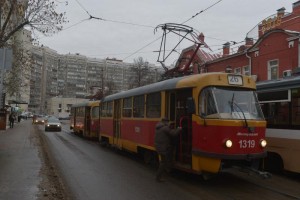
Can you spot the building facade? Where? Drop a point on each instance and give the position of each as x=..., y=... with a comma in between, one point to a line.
x=60, y=107
x=75, y=76
x=273, y=55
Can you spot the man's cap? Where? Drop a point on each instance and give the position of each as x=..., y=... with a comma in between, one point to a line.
x=165, y=119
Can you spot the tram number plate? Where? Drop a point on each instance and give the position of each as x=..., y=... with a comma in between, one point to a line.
x=247, y=144
x=235, y=80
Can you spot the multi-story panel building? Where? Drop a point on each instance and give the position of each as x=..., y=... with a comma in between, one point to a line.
x=35, y=97
x=75, y=76
x=95, y=69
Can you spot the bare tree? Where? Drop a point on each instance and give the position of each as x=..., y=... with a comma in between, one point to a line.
x=18, y=77
x=140, y=73
x=15, y=15
x=38, y=15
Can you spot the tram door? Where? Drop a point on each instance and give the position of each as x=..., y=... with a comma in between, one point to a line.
x=117, y=123
x=179, y=116
x=87, y=121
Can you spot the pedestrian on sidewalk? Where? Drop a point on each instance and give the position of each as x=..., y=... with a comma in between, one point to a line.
x=11, y=120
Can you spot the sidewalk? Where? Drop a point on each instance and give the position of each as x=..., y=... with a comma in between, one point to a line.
x=19, y=162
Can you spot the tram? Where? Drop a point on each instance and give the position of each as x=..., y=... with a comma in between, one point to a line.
x=85, y=119
x=280, y=102
x=221, y=119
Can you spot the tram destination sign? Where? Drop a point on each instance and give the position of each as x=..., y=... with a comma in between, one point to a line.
x=235, y=79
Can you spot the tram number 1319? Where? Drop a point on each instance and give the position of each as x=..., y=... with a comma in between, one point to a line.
x=247, y=144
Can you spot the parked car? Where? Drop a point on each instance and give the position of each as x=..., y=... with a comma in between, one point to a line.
x=52, y=124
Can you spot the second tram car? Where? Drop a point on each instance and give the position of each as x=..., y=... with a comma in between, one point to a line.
x=85, y=119
x=221, y=119
x=280, y=102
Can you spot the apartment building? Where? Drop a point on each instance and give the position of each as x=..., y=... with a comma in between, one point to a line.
x=75, y=76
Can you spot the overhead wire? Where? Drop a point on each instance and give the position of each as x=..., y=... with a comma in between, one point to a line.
x=181, y=23
x=83, y=7
x=141, y=25
x=110, y=20
x=75, y=24
x=201, y=11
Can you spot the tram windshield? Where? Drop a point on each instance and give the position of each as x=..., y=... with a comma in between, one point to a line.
x=229, y=103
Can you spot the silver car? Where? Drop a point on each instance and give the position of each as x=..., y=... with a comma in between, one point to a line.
x=52, y=124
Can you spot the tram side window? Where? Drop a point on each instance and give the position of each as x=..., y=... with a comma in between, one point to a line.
x=109, y=109
x=95, y=112
x=80, y=112
x=296, y=106
x=276, y=113
x=153, y=105
x=138, y=106
x=127, y=107
x=207, y=104
x=72, y=111
x=103, y=109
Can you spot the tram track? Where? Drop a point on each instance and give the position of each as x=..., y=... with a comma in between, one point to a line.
x=281, y=182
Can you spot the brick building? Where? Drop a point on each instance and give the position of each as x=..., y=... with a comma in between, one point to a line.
x=273, y=55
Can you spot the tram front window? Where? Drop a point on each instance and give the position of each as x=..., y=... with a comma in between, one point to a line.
x=229, y=103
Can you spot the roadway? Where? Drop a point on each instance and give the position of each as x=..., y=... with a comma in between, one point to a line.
x=60, y=165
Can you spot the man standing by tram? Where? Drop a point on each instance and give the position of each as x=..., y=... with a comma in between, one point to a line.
x=164, y=136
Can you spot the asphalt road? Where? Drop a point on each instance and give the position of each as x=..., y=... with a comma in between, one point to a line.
x=95, y=172
x=59, y=165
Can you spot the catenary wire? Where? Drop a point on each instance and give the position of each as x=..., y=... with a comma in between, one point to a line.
x=141, y=25
x=201, y=11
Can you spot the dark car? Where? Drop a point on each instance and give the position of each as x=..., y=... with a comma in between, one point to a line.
x=52, y=124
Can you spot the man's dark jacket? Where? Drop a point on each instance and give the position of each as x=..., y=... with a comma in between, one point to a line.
x=163, y=137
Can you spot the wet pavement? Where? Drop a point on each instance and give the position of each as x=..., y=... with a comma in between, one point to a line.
x=19, y=162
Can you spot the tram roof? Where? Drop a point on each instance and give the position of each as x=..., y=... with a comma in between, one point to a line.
x=155, y=87
x=279, y=84
x=169, y=84
x=80, y=104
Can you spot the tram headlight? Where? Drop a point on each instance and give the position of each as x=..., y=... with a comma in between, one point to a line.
x=228, y=143
x=263, y=143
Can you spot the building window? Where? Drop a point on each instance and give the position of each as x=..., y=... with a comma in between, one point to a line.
x=291, y=44
x=237, y=70
x=246, y=71
x=273, y=70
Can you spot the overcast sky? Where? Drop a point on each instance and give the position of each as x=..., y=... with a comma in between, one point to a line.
x=227, y=20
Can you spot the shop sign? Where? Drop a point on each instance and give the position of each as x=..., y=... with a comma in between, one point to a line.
x=270, y=23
